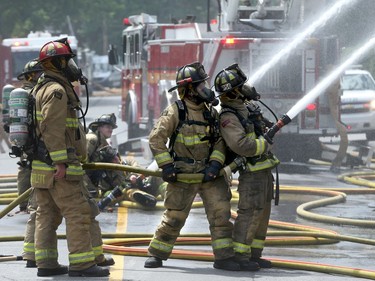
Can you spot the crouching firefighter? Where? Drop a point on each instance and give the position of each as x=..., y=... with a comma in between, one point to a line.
x=242, y=127
x=195, y=146
x=57, y=174
x=113, y=185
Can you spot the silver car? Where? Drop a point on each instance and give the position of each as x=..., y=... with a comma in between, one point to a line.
x=358, y=102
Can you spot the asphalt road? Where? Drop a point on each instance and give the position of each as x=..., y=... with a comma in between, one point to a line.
x=350, y=255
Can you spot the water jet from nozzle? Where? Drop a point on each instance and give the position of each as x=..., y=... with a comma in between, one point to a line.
x=330, y=13
x=318, y=89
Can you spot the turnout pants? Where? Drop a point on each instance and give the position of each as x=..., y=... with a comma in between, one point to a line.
x=23, y=183
x=253, y=214
x=64, y=200
x=216, y=197
x=95, y=230
x=28, y=242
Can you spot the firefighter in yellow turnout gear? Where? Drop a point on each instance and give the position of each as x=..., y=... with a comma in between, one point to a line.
x=195, y=146
x=57, y=173
x=122, y=185
x=29, y=78
x=242, y=126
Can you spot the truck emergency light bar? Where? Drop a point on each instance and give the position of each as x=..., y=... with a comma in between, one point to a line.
x=139, y=19
x=19, y=44
x=311, y=106
x=229, y=41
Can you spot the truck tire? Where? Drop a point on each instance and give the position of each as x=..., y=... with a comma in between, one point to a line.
x=297, y=148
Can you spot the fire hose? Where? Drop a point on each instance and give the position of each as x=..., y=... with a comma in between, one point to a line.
x=157, y=173
x=226, y=171
x=291, y=234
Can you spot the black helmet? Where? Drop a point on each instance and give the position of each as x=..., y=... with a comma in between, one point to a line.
x=192, y=73
x=104, y=119
x=30, y=67
x=229, y=79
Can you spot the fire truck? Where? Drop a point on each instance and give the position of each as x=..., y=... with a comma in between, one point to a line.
x=243, y=32
x=16, y=52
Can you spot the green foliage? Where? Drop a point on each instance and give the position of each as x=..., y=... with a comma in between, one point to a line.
x=99, y=23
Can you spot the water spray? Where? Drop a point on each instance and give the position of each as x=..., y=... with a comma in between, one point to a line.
x=317, y=90
x=299, y=39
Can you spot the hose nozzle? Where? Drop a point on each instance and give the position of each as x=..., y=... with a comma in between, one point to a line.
x=284, y=120
x=115, y=193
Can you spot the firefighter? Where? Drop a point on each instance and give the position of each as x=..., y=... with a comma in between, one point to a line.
x=29, y=78
x=242, y=126
x=125, y=186
x=57, y=173
x=195, y=146
x=334, y=94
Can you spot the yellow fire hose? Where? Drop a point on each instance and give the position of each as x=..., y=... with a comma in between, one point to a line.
x=10, y=258
x=358, y=178
x=157, y=173
x=291, y=235
x=15, y=203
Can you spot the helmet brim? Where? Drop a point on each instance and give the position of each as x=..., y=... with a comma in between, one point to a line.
x=94, y=125
x=56, y=56
x=22, y=75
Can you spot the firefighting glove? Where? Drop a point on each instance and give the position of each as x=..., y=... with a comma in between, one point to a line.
x=169, y=173
x=212, y=171
x=6, y=128
x=107, y=154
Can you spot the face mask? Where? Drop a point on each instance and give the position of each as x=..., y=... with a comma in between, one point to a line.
x=249, y=92
x=206, y=94
x=73, y=73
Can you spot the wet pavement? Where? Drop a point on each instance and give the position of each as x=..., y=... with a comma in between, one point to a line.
x=138, y=222
x=347, y=256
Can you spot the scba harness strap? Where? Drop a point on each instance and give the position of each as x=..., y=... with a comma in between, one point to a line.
x=231, y=156
x=211, y=122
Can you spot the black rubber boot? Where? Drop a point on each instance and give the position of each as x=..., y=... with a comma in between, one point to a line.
x=153, y=262
x=247, y=265
x=60, y=270
x=144, y=199
x=93, y=271
x=31, y=263
x=262, y=262
x=227, y=264
x=107, y=262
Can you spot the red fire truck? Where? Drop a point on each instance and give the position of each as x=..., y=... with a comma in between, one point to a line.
x=242, y=33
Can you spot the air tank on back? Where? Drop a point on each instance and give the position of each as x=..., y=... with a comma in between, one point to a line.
x=7, y=89
x=18, y=114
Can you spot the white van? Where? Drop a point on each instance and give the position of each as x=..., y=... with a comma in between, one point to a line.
x=358, y=102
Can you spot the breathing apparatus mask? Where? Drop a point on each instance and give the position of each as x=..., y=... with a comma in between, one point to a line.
x=249, y=92
x=73, y=72
x=206, y=94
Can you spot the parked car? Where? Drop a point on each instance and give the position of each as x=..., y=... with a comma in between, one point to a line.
x=358, y=102
x=104, y=75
